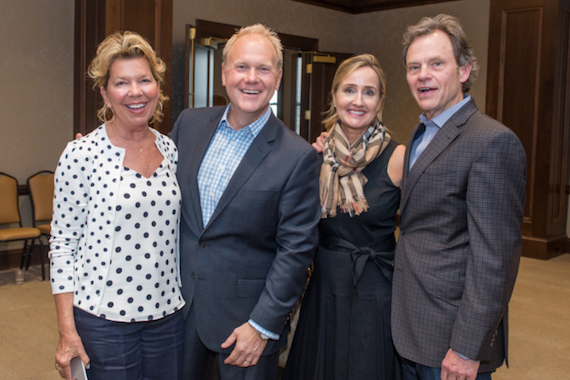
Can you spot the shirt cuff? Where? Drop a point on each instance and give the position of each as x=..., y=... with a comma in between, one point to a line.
x=260, y=329
x=465, y=357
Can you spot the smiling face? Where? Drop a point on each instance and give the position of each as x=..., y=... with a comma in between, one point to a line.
x=357, y=99
x=132, y=92
x=433, y=75
x=251, y=78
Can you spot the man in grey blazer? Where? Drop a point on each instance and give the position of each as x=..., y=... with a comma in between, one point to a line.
x=461, y=212
x=250, y=211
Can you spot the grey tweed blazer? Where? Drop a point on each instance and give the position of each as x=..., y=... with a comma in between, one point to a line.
x=459, y=248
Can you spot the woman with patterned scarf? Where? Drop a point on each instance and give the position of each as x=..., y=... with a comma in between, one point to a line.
x=344, y=326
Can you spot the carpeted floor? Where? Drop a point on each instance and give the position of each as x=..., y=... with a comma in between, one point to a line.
x=539, y=325
x=539, y=341
x=28, y=328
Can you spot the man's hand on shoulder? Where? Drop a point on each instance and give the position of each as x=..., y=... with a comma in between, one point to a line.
x=319, y=144
x=249, y=346
x=454, y=367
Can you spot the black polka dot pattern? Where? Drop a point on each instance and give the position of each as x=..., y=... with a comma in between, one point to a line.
x=94, y=233
x=137, y=248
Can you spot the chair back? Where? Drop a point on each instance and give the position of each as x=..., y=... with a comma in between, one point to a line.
x=9, y=211
x=40, y=187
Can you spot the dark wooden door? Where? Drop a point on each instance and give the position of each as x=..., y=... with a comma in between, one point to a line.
x=527, y=90
x=200, y=78
x=318, y=72
x=95, y=20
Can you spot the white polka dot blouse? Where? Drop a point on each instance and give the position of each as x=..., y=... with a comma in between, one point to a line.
x=114, y=232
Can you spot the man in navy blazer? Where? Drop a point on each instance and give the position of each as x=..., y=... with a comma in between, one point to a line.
x=461, y=212
x=250, y=211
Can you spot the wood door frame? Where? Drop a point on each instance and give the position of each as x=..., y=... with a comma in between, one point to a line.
x=205, y=29
x=94, y=21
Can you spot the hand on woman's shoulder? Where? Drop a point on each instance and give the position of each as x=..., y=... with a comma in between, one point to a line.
x=396, y=165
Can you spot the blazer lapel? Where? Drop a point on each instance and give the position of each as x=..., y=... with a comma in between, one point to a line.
x=443, y=138
x=407, y=158
x=256, y=153
x=202, y=137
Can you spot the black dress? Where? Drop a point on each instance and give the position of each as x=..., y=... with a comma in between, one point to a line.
x=344, y=330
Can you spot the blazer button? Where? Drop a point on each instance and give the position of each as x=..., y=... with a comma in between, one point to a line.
x=193, y=275
x=202, y=243
x=402, y=232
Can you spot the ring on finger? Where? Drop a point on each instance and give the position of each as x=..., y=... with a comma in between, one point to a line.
x=58, y=367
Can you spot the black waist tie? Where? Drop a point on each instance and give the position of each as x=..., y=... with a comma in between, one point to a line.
x=360, y=256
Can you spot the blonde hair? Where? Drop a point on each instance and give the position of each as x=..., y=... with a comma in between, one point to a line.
x=345, y=69
x=462, y=47
x=126, y=45
x=261, y=30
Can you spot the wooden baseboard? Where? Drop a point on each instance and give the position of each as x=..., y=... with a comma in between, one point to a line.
x=11, y=259
x=544, y=249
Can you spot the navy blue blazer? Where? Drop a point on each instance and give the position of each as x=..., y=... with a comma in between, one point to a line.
x=251, y=260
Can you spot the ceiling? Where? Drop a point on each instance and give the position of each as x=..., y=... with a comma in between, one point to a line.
x=363, y=6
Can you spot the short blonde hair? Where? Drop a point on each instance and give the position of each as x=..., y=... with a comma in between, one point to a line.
x=345, y=69
x=126, y=45
x=261, y=30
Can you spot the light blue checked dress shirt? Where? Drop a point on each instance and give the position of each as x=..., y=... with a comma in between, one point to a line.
x=431, y=128
x=226, y=150
x=222, y=158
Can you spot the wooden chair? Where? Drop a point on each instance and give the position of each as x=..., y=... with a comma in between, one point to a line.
x=10, y=214
x=40, y=188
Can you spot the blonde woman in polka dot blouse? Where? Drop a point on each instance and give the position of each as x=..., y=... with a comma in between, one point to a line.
x=114, y=245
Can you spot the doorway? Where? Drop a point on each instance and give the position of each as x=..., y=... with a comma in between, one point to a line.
x=305, y=85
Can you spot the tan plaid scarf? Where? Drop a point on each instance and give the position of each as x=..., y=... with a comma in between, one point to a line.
x=341, y=182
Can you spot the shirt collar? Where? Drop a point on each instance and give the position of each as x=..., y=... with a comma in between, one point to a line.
x=255, y=127
x=440, y=120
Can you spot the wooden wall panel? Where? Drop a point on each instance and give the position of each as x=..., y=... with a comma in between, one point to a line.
x=518, y=99
x=96, y=19
x=527, y=90
x=89, y=28
x=561, y=134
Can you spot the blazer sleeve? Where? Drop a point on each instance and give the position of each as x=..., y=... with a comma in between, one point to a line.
x=495, y=200
x=176, y=129
x=297, y=240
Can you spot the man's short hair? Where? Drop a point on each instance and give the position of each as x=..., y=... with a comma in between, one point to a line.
x=261, y=30
x=462, y=47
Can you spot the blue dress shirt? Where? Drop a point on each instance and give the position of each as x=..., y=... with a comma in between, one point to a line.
x=224, y=154
x=432, y=126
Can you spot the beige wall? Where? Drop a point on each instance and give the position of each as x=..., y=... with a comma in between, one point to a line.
x=36, y=82
x=380, y=33
x=37, y=61
x=332, y=28
x=36, y=41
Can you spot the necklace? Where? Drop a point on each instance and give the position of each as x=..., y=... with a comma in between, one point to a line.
x=130, y=143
